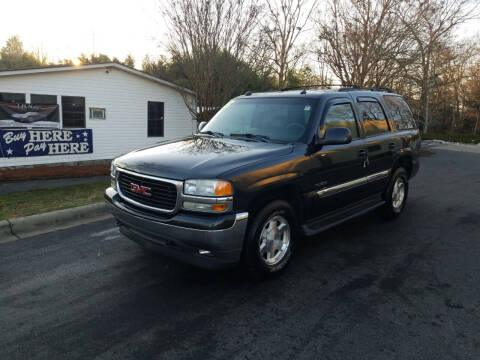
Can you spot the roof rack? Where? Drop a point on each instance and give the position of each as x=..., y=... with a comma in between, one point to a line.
x=356, y=88
x=305, y=87
x=343, y=87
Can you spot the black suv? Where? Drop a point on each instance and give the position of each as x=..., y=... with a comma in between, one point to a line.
x=268, y=169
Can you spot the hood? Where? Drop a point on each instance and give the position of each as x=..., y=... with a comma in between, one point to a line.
x=199, y=157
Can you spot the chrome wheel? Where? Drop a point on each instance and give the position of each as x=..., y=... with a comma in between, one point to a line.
x=274, y=240
x=398, y=193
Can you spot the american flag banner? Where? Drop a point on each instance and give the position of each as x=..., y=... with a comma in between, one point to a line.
x=33, y=142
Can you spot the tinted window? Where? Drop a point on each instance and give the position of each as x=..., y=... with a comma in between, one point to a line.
x=281, y=119
x=401, y=114
x=373, y=117
x=73, y=111
x=36, y=99
x=340, y=115
x=12, y=98
x=155, y=118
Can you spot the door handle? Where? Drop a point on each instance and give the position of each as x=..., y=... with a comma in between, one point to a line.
x=362, y=153
x=392, y=146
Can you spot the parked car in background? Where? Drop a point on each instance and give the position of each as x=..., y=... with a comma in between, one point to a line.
x=268, y=169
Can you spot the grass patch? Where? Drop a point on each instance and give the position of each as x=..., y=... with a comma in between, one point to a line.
x=43, y=200
x=461, y=138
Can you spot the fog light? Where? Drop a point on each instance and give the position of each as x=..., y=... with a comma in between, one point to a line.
x=188, y=205
x=196, y=206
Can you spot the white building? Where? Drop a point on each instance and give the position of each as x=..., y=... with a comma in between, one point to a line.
x=124, y=108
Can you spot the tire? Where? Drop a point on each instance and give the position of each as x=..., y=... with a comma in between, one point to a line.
x=267, y=250
x=395, y=195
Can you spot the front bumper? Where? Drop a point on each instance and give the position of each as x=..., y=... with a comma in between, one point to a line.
x=204, y=241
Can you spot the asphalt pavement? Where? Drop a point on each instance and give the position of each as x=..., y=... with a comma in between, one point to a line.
x=367, y=289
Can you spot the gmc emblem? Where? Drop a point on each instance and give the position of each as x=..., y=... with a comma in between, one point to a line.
x=139, y=189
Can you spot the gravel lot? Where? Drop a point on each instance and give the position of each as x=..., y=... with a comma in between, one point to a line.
x=408, y=289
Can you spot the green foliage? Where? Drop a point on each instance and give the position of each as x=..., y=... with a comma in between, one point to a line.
x=100, y=59
x=164, y=69
x=14, y=56
x=129, y=61
x=94, y=59
x=216, y=78
x=304, y=76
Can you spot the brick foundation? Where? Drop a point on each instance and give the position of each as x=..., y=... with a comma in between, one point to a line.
x=49, y=171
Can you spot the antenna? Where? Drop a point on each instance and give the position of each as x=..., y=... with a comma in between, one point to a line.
x=93, y=41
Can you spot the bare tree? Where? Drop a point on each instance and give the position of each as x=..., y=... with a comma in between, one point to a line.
x=286, y=20
x=472, y=93
x=208, y=38
x=429, y=24
x=362, y=41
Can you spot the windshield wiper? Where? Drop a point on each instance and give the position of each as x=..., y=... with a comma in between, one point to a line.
x=263, y=138
x=213, y=133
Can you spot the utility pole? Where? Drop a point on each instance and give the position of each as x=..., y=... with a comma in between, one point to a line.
x=427, y=105
x=478, y=120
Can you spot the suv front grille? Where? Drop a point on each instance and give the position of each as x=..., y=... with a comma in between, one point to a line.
x=163, y=195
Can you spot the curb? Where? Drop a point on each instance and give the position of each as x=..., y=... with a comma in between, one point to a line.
x=6, y=232
x=19, y=228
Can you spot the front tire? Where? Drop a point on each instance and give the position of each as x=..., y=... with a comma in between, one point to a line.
x=395, y=195
x=270, y=240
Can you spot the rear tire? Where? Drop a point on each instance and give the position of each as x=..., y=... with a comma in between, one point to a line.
x=269, y=241
x=395, y=195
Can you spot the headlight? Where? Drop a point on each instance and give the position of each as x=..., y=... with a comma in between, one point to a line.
x=207, y=188
x=207, y=195
x=113, y=175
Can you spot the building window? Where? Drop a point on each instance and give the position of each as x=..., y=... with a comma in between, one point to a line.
x=97, y=113
x=373, y=117
x=36, y=99
x=73, y=111
x=155, y=118
x=12, y=98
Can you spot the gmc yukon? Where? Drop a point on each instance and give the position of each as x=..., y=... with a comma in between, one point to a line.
x=265, y=171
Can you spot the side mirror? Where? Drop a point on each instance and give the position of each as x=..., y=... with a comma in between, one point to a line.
x=334, y=136
x=201, y=125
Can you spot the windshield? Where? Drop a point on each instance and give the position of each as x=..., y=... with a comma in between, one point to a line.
x=273, y=119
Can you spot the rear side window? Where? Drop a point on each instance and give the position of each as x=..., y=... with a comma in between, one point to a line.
x=401, y=114
x=373, y=117
x=340, y=115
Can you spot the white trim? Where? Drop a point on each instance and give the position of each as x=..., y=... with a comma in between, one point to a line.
x=354, y=183
x=95, y=66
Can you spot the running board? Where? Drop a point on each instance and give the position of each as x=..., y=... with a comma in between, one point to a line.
x=333, y=219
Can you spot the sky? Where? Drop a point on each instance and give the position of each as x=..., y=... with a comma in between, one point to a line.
x=65, y=29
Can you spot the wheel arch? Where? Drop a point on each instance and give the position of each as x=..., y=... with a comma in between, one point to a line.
x=405, y=161
x=291, y=193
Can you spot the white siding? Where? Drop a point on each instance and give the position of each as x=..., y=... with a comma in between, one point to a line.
x=123, y=95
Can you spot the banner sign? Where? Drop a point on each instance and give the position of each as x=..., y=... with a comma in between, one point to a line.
x=27, y=143
x=28, y=116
